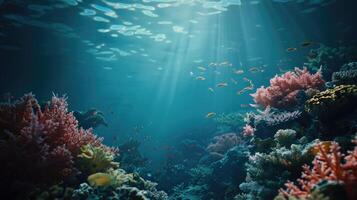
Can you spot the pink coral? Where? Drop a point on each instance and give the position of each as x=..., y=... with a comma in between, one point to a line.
x=248, y=130
x=327, y=165
x=283, y=89
x=38, y=144
x=223, y=143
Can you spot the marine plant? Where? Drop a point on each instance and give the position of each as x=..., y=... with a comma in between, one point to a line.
x=283, y=90
x=39, y=145
x=328, y=165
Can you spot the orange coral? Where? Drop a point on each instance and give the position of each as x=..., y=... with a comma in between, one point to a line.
x=327, y=165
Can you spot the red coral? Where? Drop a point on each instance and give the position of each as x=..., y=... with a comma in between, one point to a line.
x=37, y=144
x=223, y=143
x=283, y=89
x=327, y=165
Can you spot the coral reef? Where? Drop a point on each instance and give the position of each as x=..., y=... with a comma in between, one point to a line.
x=230, y=122
x=332, y=103
x=134, y=188
x=329, y=165
x=267, y=122
x=330, y=59
x=222, y=143
x=90, y=119
x=267, y=172
x=39, y=145
x=283, y=90
x=94, y=159
x=285, y=137
x=346, y=75
x=130, y=158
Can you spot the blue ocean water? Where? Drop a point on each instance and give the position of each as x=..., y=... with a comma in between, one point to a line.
x=159, y=69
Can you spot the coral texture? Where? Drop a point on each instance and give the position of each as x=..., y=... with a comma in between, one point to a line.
x=346, y=75
x=283, y=90
x=39, y=145
x=223, y=143
x=333, y=102
x=331, y=165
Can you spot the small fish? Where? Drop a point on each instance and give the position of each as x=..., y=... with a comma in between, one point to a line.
x=306, y=43
x=291, y=49
x=234, y=81
x=254, y=70
x=244, y=105
x=210, y=114
x=212, y=64
x=202, y=68
x=312, y=55
x=201, y=78
x=223, y=84
x=211, y=89
x=238, y=71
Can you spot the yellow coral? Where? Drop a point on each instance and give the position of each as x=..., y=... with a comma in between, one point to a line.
x=95, y=159
x=100, y=179
x=332, y=101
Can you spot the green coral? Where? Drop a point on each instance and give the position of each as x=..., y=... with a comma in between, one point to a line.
x=332, y=102
x=93, y=159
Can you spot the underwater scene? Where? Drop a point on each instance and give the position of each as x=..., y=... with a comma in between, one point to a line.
x=178, y=100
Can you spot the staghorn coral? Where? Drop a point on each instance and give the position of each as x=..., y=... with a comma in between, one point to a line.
x=346, y=75
x=223, y=143
x=283, y=90
x=333, y=103
x=329, y=165
x=248, y=130
x=38, y=145
x=94, y=159
x=267, y=122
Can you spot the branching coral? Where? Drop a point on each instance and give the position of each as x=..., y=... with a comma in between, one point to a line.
x=267, y=122
x=333, y=102
x=331, y=165
x=39, y=145
x=223, y=143
x=283, y=90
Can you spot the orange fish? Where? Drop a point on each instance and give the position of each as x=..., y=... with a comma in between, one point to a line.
x=291, y=49
x=223, y=84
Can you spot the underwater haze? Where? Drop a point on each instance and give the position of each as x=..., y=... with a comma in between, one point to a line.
x=178, y=99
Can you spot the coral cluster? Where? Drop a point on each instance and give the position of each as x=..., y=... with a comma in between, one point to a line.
x=232, y=121
x=223, y=143
x=39, y=144
x=346, y=75
x=329, y=165
x=283, y=90
x=266, y=123
x=330, y=59
x=333, y=102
